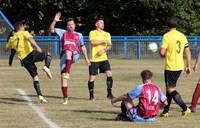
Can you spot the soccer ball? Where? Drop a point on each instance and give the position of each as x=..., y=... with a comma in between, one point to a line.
x=153, y=47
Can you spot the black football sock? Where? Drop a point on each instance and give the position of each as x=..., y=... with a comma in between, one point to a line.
x=37, y=88
x=109, y=83
x=91, y=88
x=123, y=108
x=169, y=100
x=177, y=98
x=48, y=60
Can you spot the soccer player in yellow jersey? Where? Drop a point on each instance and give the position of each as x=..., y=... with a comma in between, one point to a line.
x=100, y=42
x=22, y=42
x=174, y=44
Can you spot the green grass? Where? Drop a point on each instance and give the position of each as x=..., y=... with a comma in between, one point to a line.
x=80, y=112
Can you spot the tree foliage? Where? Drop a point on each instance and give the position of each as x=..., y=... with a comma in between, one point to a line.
x=122, y=17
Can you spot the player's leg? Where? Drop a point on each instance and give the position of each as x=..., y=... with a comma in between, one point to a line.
x=105, y=67
x=68, y=62
x=64, y=88
x=195, y=97
x=12, y=54
x=93, y=71
x=32, y=69
x=123, y=115
x=64, y=84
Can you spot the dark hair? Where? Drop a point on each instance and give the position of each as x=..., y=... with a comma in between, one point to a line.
x=146, y=74
x=70, y=19
x=99, y=18
x=18, y=25
x=172, y=22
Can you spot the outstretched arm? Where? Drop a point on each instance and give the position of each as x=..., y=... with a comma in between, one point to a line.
x=32, y=41
x=123, y=97
x=56, y=19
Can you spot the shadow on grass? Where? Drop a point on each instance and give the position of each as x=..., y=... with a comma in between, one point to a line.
x=94, y=111
x=60, y=97
x=11, y=99
x=104, y=119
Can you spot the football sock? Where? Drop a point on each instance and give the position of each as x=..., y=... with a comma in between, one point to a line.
x=37, y=87
x=109, y=83
x=91, y=87
x=68, y=65
x=196, y=96
x=169, y=100
x=177, y=98
x=123, y=108
x=48, y=61
x=12, y=54
x=65, y=91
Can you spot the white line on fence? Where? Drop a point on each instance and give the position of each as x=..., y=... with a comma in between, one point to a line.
x=37, y=109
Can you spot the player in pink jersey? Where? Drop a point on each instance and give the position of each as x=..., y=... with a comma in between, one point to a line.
x=71, y=41
x=150, y=98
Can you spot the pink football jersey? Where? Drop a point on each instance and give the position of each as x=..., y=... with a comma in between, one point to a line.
x=149, y=101
x=70, y=41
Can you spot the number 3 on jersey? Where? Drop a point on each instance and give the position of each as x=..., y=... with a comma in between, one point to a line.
x=178, y=43
x=154, y=98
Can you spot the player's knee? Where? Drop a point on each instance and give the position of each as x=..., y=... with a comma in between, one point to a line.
x=109, y=74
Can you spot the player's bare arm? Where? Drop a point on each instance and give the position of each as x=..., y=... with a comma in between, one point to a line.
x=162, y=52
x=188, y=60
x=98, y=42
x=123, y=97
x=56, y=19
x=84, y=51
x=32, y=41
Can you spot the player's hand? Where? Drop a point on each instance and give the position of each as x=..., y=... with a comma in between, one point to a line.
x=112, y=101
x=57, y=17
x=195, y=67
x=88, y=62
x=187, y=71
x=39, y=49
x=99, y=53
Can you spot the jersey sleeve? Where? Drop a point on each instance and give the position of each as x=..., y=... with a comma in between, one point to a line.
x=81, y=39
x=135, y=93
x=186, y=44
x=27, y=35
x=164, y=43
x=109, y=39
x=91, y=36
x=60, y=32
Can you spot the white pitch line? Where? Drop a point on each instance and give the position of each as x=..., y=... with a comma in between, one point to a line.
x=37, y=109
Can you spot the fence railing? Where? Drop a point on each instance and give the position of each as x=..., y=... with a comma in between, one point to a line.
x=123, y=46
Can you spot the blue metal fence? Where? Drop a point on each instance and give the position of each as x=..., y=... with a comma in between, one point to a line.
x=123, y=46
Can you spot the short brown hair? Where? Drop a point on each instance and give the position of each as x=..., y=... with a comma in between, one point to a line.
x=99, y=18
x=172, y=23
x=146, y=74
x=70, y=19
x=18, y=25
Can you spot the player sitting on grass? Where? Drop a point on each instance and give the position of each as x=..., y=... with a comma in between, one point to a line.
x=150, y=97
x=21, y=41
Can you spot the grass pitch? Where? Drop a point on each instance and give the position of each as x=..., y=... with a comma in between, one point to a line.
x=80, y=112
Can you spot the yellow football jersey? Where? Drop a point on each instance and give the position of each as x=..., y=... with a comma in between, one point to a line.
x=174, y=42
x=19, y=41
x=99, y=35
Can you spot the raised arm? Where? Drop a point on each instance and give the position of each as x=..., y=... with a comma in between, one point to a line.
x=56, y=19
